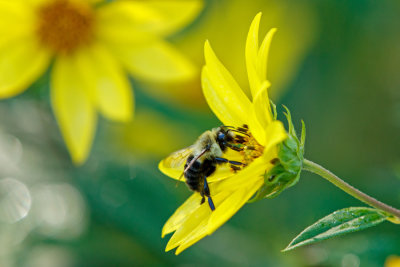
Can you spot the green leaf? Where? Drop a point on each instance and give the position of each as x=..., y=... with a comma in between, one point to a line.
x=338, y=223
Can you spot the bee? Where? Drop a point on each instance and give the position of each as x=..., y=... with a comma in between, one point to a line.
x=201, y=159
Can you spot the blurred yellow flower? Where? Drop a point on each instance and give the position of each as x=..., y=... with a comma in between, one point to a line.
x=92, y=44
x=392, y=261
x=192, y=221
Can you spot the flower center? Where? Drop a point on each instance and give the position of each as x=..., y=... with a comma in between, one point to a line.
x=248, y=147
x=65, y=25
x=252, y=149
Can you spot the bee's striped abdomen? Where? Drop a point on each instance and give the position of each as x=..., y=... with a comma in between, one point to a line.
x=197, y=172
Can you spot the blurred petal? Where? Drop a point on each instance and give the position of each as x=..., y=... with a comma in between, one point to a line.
x=73, y=108
x=117, y=23
x=156, y=17
x=15, y=13
x=42, y=2
x=107, y=83
x=157, y=61
x=21, y=63
x=33, y=3
x=172, y=15
x=144, y=55
x=93, y=2
x=179, y=216
x=224, y=96
x=392, y=261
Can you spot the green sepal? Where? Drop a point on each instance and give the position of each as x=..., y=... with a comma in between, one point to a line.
x=288, y=164
x=274, y=112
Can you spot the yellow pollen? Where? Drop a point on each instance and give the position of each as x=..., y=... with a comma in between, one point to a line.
x=65, y=25
x=247, y=147
x=252, y=149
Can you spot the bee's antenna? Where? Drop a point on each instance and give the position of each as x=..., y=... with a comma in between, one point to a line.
x=238, y=131
x=235, y=129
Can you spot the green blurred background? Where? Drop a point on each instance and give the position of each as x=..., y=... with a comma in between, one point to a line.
x=334, y=63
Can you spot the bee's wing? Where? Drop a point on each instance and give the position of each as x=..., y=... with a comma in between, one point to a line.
x=173, y=165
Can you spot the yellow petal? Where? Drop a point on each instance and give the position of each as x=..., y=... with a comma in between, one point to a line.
x=73, y=108
x=106, y=81
x=179, y=216
x=231, y=205
x=174, y=165
x=224, y=96
x=196, y=225
x=262, y=59
x=262, y=105
x=275, y=133
x=198, y=233
x=256, y=129
x=22, y=61
x=246, y=176
x=194, y=219
x=251, y=53
x=260, y=116
x=256, y=58
x=157, y=61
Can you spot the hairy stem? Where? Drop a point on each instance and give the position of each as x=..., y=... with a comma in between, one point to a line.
x=321, y=171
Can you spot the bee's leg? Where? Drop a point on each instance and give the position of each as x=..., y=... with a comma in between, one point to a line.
x=206, y=192
x=237, y=147
x=203, y=199
x=243, y=129
x=223, y=160
x=235, y=165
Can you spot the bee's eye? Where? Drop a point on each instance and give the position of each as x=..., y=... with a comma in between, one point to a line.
x=221, y=136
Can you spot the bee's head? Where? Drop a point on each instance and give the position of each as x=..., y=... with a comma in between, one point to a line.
x=224, y=136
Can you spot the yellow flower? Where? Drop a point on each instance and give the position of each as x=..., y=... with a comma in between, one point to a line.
x=392, y=261
x=90, y=44
x=230, y=191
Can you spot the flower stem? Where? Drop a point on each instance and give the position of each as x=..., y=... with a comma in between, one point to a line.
x=321, y=171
